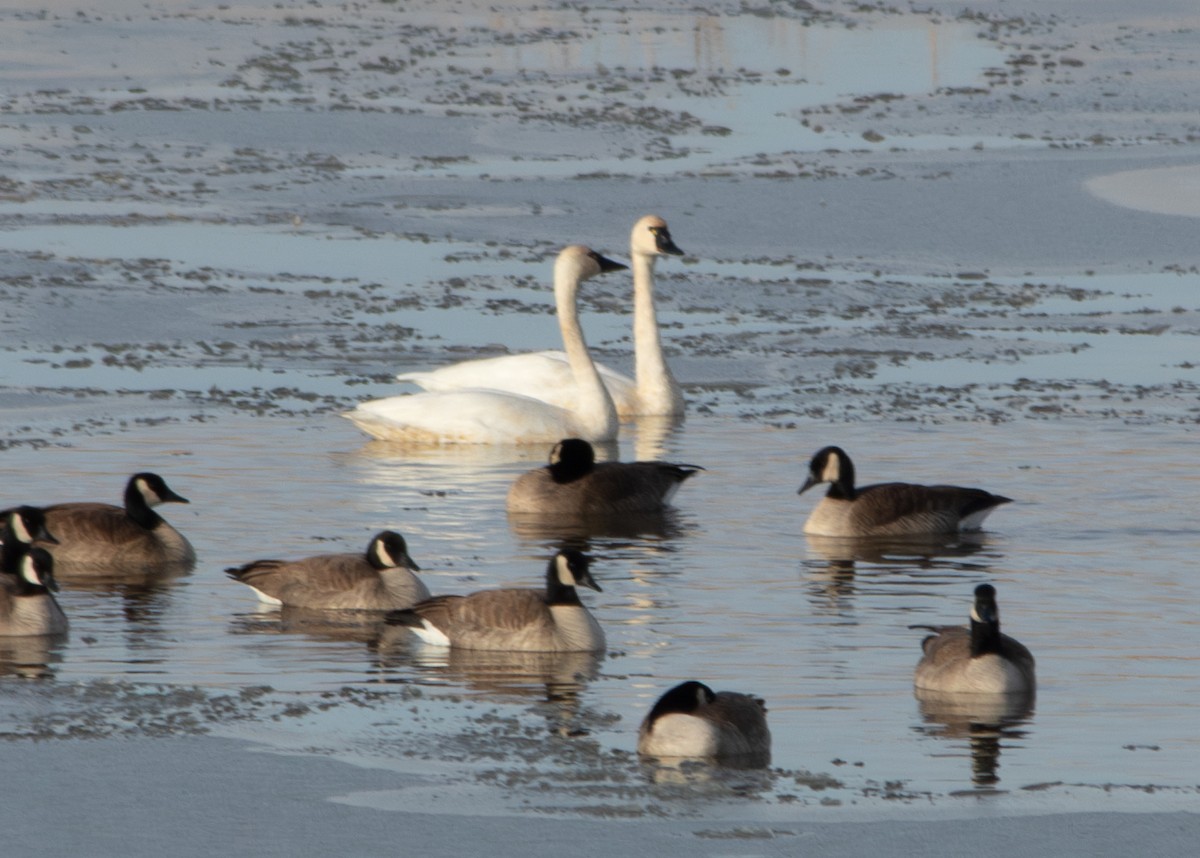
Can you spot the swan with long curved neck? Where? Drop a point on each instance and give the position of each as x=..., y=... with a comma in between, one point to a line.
x=488, y=416
x=548, y=376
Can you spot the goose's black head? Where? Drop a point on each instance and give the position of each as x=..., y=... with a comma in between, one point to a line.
x=37, y=570
x=567, y=570
x=26, y=525
x=683, y=699
x=831, y=465
x=389, y=550
x=571, y=459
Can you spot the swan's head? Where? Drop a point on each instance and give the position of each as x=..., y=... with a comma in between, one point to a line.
x=652, y=238
x=576, y=262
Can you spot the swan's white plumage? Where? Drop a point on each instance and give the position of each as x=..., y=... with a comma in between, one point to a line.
x=538, y=375
x=547, y=375
x=491, y=416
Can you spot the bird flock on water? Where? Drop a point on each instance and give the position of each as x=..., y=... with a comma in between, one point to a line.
x=569, y=403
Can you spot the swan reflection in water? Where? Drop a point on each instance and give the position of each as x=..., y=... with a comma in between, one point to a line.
x=988, y=722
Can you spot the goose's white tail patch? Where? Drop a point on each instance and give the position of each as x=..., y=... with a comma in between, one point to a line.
x=265, y=599
x=431, y=634
x=974, y=521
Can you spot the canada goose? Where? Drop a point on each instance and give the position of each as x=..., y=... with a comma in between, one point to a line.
x=978, y=659
x=574, y=484
x=27, y=605
x=20, y=527
x=482, y=416
x=889, y=509
x=547, y=375
x=691, y=720
x=101, y=538
x=380, y=579
x=553, y=620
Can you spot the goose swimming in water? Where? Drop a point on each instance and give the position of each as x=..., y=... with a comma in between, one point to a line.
x=547, y=375
x=691, y=720
x=574, y=483
x=889, y=509
x=379, y=579
x=482, y=416
x=550, y=620
x=104, y=539
x=976, y=658
x=27, y=603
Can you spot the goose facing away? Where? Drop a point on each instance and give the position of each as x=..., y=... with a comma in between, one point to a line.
x=575, y=484
x=104, y=539
x=547, y=375
x=889, y=509
x=517, y=619
x=27, y=603
x=691, y=720
x=482, y=416
x=977, y=658
x=380, y=579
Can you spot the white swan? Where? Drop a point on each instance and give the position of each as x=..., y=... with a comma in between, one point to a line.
x=547, y=375
x=485, y=416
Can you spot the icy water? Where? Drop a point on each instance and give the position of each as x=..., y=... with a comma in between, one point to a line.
x=1092, y=564
x=205, y=261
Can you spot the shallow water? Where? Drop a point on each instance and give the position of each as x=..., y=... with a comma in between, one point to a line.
x=198, y=285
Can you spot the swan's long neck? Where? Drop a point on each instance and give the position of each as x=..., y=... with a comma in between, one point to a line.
x=658, y=392
x=594, y=410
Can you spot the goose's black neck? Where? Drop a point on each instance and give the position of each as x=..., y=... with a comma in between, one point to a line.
x=137, y=508
x=985, y=622
x=558, y=593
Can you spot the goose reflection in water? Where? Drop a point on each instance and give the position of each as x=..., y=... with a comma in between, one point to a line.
x=31, y=656
x=327, y=626
x=923, y=552
x=557, y=679
x=710, y=779
x=833, y=562
x=989, y=722
x=548, y=529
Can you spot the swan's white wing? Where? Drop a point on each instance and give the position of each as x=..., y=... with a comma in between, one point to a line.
x=468, y=417
x=545, y=376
